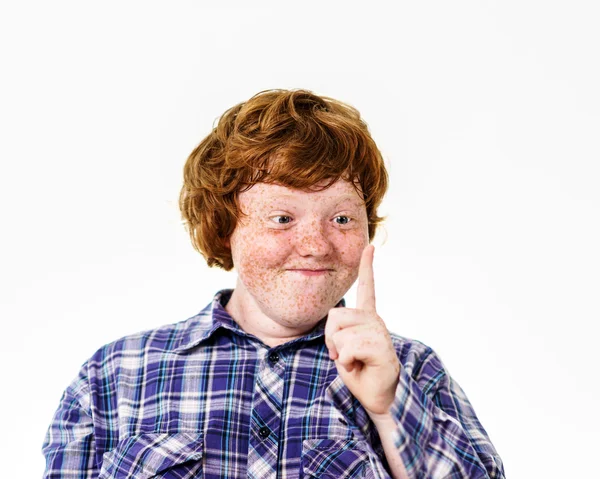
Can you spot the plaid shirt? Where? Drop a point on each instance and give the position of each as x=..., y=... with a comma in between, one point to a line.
x=202, y=398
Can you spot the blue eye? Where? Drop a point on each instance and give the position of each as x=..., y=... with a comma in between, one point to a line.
x=343, y=220
x=282, y=219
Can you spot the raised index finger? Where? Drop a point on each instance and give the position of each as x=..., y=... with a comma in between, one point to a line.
x=365, y=294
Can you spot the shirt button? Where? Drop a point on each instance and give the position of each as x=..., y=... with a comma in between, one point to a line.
x=264, y=432
x=273, y=357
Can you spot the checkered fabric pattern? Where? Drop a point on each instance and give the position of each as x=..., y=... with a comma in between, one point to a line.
x=202, y=398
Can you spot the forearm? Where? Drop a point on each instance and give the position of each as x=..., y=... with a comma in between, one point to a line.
x=437, y=441
x=386, y=426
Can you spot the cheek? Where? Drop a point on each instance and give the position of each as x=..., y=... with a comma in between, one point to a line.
x=254, y=250
x=258, y=259
x=350, y=248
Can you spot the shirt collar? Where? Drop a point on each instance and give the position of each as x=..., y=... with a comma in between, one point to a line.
x=214, y=317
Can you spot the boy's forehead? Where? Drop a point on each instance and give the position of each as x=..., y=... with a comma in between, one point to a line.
x=339, y=191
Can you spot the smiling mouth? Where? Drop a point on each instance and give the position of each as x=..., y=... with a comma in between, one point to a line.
x=311, y=272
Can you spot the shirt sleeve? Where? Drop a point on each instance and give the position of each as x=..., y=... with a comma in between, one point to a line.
x=69, y=444
x=437, y=432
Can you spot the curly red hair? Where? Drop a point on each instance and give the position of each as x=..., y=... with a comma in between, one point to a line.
x=289, y=137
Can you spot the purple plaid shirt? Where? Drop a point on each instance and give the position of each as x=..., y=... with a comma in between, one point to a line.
x=202, y=398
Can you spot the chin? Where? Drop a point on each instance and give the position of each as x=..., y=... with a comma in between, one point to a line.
x=300, y=317
x=299, y=322
x=305, y=318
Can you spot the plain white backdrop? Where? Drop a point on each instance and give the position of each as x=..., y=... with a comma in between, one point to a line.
x=488, y=116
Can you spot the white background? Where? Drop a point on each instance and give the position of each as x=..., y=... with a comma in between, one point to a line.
x=487, y=114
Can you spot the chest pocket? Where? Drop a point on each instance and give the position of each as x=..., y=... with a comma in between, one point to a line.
x=334, y=459
x=155, y=455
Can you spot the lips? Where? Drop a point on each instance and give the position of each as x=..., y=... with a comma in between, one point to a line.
x=310, y=272
x=310, y=268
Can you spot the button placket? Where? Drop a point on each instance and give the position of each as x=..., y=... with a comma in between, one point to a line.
x=263, y=451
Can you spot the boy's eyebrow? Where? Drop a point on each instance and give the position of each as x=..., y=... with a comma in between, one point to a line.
x=353, y=199
x=342, y=199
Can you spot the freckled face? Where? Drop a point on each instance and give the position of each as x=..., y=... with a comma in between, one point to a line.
x=297, y=253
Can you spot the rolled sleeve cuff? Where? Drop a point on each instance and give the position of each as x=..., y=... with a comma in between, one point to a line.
x=413, y=413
